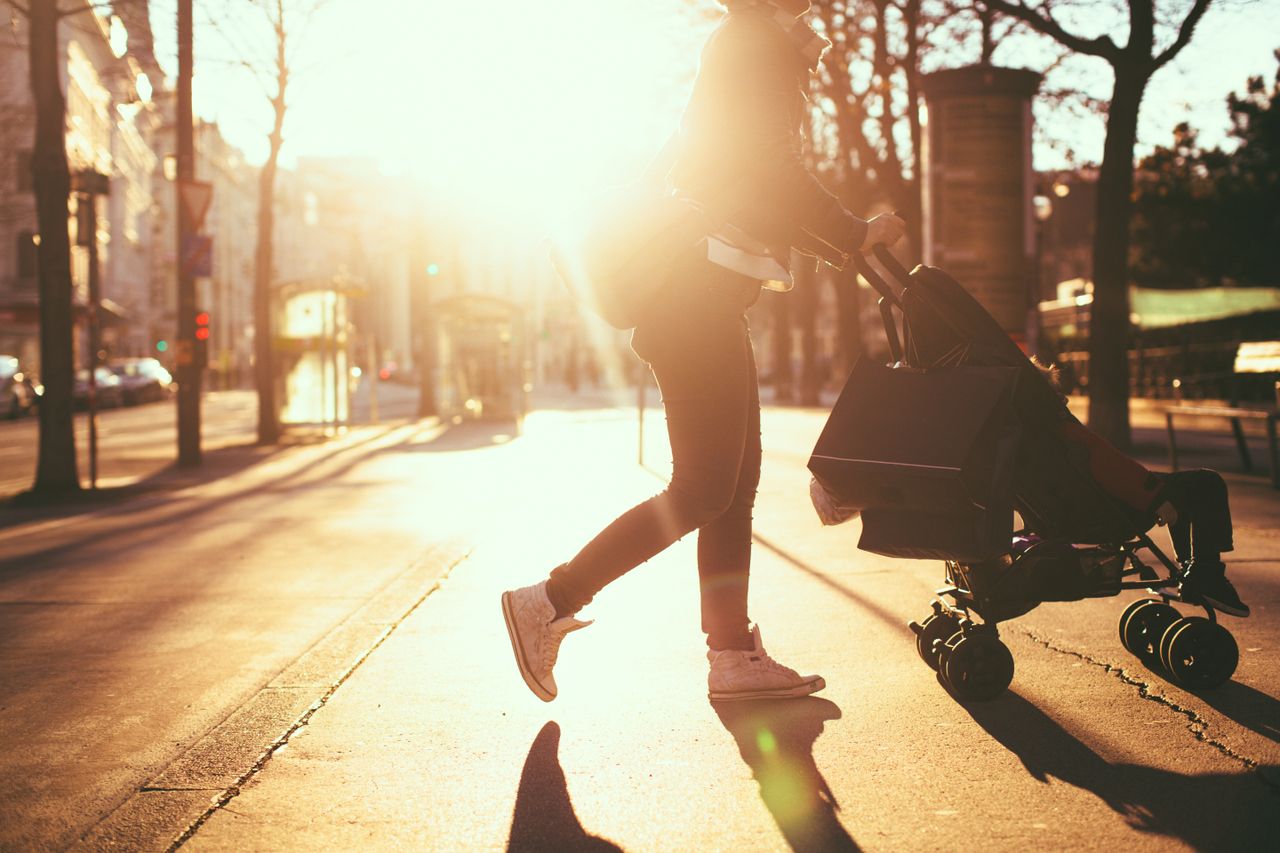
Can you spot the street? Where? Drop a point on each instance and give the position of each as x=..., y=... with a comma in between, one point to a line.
x=140, y=442
x=333, y=608
x=132, y=442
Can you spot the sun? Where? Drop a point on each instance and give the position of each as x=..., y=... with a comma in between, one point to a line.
x=505, y=108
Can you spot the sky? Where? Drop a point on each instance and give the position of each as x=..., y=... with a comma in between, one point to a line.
x=479, y=98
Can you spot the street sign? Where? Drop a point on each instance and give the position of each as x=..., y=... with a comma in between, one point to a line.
x=197, y=255
x=195, y=196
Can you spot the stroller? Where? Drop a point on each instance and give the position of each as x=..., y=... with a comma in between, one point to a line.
x=940, y=448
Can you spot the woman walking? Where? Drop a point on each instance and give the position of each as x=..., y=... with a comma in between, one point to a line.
x=741, y=134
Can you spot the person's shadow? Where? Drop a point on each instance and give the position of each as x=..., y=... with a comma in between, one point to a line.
x=1223, y=811
x=775, y=738
x=543, y=818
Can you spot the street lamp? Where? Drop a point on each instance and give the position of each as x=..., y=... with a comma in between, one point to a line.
x=88, y=184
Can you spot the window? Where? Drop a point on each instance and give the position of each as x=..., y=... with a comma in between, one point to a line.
x=26, y=254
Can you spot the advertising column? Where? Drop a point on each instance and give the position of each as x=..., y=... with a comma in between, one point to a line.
x=978, y=186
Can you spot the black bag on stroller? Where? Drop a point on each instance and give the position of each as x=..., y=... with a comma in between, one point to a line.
x=927, y=486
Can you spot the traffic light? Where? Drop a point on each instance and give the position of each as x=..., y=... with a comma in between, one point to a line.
x=433, y=269
x=202, y=338
x=162, y=346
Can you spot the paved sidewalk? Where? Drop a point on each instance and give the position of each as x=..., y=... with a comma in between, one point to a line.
x=435, y=743
x=312, y=687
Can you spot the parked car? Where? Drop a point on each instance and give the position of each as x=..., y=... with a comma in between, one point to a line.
x=18, y=394
x=142, y=380
x=110, y=394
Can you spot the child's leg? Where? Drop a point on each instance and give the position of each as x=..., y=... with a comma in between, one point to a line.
x=1200, y=536
x=1203, y=530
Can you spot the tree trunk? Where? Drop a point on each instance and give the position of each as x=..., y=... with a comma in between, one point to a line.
x=914, y=212
x=424, y=338
x=264, y=260
x=806, y=297
x=783, y=387
x=849, y=317
x=1109, y=313
x=56, y=462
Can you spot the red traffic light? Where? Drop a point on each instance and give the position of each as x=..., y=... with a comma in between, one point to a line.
x=202, y=333
x=202, y=319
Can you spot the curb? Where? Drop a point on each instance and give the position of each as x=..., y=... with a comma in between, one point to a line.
x=169, y=808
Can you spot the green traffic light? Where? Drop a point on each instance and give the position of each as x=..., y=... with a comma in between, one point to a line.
x=162, y=346
x=433, y=269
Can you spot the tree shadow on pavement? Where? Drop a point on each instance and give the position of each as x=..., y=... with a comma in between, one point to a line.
x=543, y=818
x=1209, y=812
x=216, y=464
x=464, y=435
x=775, y=738
x=43, y=552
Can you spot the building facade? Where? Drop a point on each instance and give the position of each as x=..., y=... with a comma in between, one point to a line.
x=110, y=119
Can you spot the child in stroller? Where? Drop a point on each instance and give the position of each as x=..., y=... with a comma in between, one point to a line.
x=1086, y=508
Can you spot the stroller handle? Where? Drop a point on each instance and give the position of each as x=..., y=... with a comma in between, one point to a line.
x=873, y=278
x=892, y=264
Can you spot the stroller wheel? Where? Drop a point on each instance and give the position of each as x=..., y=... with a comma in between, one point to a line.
x=1124, y=618
x=976, y=666
x=1142, y=626
x=1199, y=654
x=938, y=627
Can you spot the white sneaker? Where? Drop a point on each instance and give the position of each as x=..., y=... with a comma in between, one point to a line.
x=536, y=635
x=754, y=675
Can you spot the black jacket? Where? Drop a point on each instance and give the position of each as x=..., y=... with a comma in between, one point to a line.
x=743, y=140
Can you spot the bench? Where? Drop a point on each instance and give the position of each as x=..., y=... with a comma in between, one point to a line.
x=1252, y=357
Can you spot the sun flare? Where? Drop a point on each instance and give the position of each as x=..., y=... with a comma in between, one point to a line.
x=509, y=109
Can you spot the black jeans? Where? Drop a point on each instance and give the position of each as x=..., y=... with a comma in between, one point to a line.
x=1203, y=529
x=697, y=343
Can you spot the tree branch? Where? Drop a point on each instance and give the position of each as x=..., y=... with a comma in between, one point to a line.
x=87, y=7
x=1045, y=23
x=1184, y=33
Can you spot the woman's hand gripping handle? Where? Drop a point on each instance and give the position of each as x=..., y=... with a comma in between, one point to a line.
x=887, y=228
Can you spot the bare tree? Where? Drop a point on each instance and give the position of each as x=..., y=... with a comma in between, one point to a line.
x=56, y=472
x=783, y=374
x=266, y=42
x=264, y=254
x=869, y=95
x=1133, y=65
x=806, y=314
x=866, y=116
x=51, y=180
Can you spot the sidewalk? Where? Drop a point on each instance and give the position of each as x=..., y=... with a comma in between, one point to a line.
x=433, y=742
x=264, y=661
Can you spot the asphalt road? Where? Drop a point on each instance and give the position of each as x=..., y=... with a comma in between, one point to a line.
x=133, y=442
x=137, y=442
x=154, y=653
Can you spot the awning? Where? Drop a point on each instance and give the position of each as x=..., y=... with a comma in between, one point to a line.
x=1150, y=308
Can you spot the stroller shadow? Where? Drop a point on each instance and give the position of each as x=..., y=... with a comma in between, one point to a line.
x=1251, y=708
x=1209, y=812
x=543, y=818
x=775, y=738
